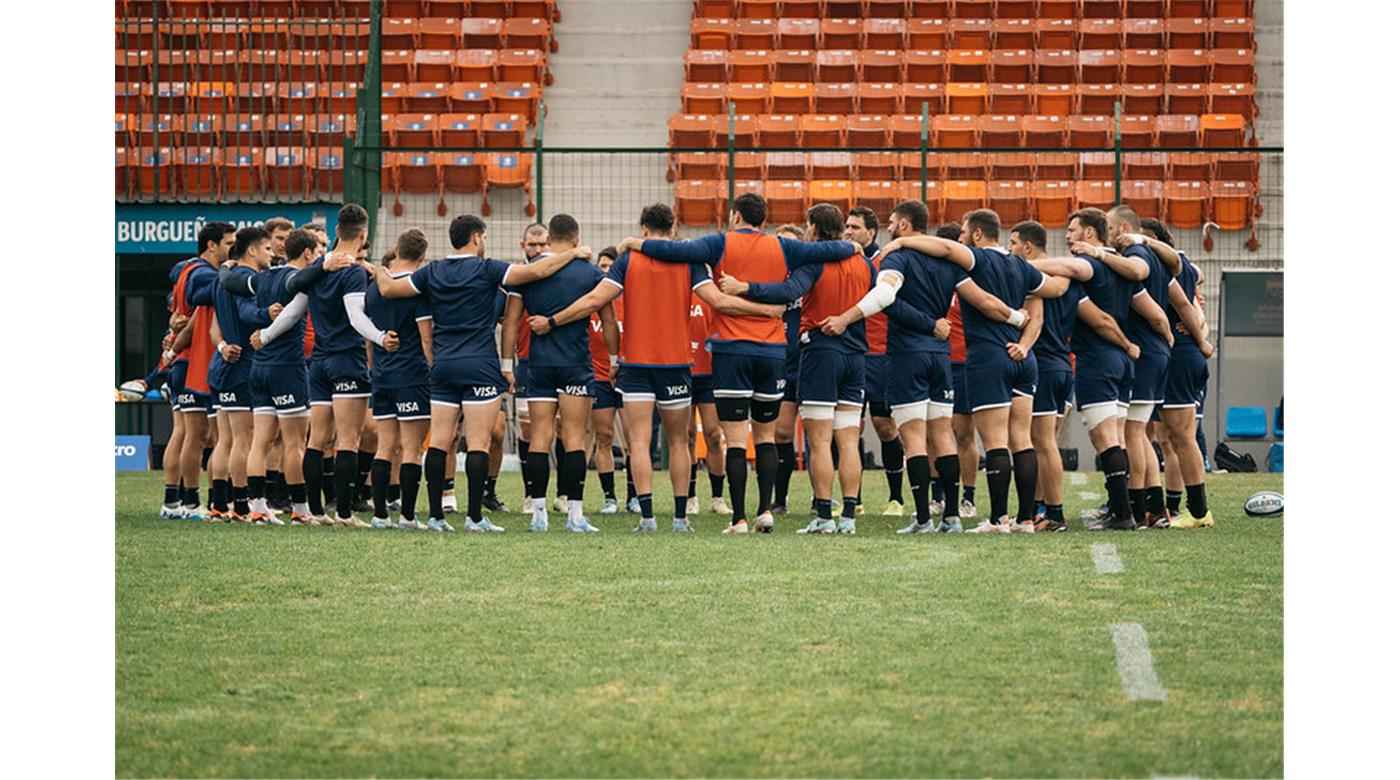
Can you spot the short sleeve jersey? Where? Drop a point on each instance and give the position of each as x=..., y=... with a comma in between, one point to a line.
x=287, y=349
x=1137, y=328
x=461, y=292
x=928, y=286
x=334, y=333
x=1110, y=292
x=238, y=317
x=1189, y=280
x=563, y=345
x=1008, y=277
x=1052, y=348
x=407, y=366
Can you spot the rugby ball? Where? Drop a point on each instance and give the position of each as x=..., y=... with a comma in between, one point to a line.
x=1265, y=503
x=132, y=390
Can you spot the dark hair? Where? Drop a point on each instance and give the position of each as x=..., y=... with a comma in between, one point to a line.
x=1032, y=233
x=464, y=228
x=1128, y=214
x=315, y=227
x=562, y=227
x=608, y=251
x=277, y=223
x=1158, y=230
x=245, y=238
x=867, y=216
x=796, y=231
x=827, y=221
x=351, y=221
x=534, y=227
x=949, y=230
x=213, y=232
x=413, y=244
x=1092, y=218
x=299, y=241
x=914, y=211
x=984, y=220
x=752, y=208
x=658, y=217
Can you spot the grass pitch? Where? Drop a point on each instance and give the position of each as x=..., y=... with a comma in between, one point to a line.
x=246, y=651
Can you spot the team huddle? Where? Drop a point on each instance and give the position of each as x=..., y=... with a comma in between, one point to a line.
x=309, y=381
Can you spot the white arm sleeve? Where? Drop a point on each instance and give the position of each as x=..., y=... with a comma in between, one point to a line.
x=355, y=310
x=882, y=294
x=291, y=314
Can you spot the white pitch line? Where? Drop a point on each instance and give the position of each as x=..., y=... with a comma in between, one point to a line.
x=1135, y=663
x=1089, y=495
x=1106, y=560
x=1078, y=478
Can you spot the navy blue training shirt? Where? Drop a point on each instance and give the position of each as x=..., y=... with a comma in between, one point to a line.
x=461, y=292
x=407, y=366
x=238, y=316
x=287, y=349
x=1137, y=329
x=1110, y=292
x=1008, y=277
x=1052, y=348
x=564, y=345
x=334, y=333
x=1188, y=280
x=928, y=288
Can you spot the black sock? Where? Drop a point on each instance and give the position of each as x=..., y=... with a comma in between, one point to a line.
x=395, y=493
x=219, y=491
x=490, y=486
x=1055, y=512
x=948, y=472
x=848, y=508
x=716, y=485
x=578, y=474
x=694, y=465
x=892, y=455
x=1174, y=501
x=434, y=464
x=257, y=486
x=736, y=467
x=379, y=486
x=999, y=480
x=204, y=458
x=478, y=466
x=935, y=490
x=644, y=499
x=1115, y=472
x=296, y=493
x=679, y=504
x=345, y=465
x=606, y=481
x=172, y=495
x=919, y=478
x=328, y=478
x=1156, y=501
x=189, y=496
x=969, y=491
x=1196, y=500
x=1027, y=472
x=787, y=463
x=1137, y=501
x=311, y=464
x=538, y=464
x=823, y=508
x=363, y=462
x=631, y=485
x=558, y=455
x=449, y=484
x=765, y=464
x=409, y=475
x=240, y=500
x=276, y=486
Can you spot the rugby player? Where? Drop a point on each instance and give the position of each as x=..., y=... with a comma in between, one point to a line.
x=533, y=243
x=607, y=401
x=466, y=377
x=703, y=398
x=561, y=375
x=786, y=428
x=964, y=433
x=749, y=348
x=654, y=354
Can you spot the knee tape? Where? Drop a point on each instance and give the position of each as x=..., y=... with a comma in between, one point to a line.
x=846, y=418
x=938, y=411
x=1095, y=416
x=1140, y=411
x=731, y=409
x=816, y=411
x=908, y=412
x=765, y=411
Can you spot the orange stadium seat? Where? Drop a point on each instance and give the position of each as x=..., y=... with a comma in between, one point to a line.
x=1138, y=131
x=1009, y=98
x=1100, y=33
x=999, y=130
x=954, y=131
x=700, y=165
x=241, y=171
x=745, y=130
x=1232, y=66
x=927, y=33
x=967, y=98
x=1235, y=166
x=1177, y=130
x=831, y=165
x=1222, y=130
x=412, y=8
x=329, y=129
x=287, y=130
x=795, y=65
x=462, y=172
x=868, y=131
x=1179, y=9
x=960, y=197
x=1056, y=33
x=390, y=98
x=748, y=166
x=912, y=98
x=243, y=130
x=1188, y=33
x=786, y=166
x=821, y=131
x=703, y=98
x=300, y=98
x=1052, y=202
x=134, y=65
x=749, y=98
x=529, y=34
x=1097, y=166
x=876, y=166
x=1090, y=131
x=881, y=9
x=1186, y=98
x=879, y=196
x=882, y=34
x=834, y=98
x=306, y=66
x=704, y=65
x=339, y=99
x=196, y=171
x=1144, y=196
x=484, y=33
x=151, y=130
x=1142, y=98
x=1232, y=99
x=252, y=97
x=123, y=135
x=396, y=66
x=1044, y=131
x=515, y=97
x=427, y=96
x=1144, y=66
x=1096, y=98
x=708, y=33
x=1141, y=9
x=750, y=65
x=691, y=130
x=1233, y=8
x=790, y=97
x=1011, y=200
x=433, y=64
x=840, y=34
x=507, y=171
x=1188, y=66
x=758, y=9
x=905, y=130
x=198, y=130
x=131, y=97
x=755, y=34
x=412, y=129
x=1185, y=203
x=1054, y=166
x=285, y=170
x=714, y=9
x=1190, y=167
x=775, y=131
x=1145, y=165
x=1012, y=66
x=1014, y=9
x=1013, y=166
x=1094, y=194
x=1013, y=33
x=475, y=65
x=1144, y=33
x=1099, y=66
x=1056, y=66
x=1053, y=99
x=970, y=34
x=1100, y=9
x=925, y=66
x=837, y=66
x=345, y=66
x=969, y=65
x=399, y=33
x=502, y=131
x=448, y=9
x=787, y=201
x=1235, y=33
x=439, y=33
x=842, y=9
x=972, y=9
x=798, y=33
x=879, y=65
x=878, y=98
x=417, y=173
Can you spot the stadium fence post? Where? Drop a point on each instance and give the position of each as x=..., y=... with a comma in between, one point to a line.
x=923, y=154
x=369, y=138
x=1117, y=151
x=539, y=162
x=730, y=175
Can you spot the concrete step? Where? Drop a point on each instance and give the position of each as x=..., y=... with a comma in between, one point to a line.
x=613, y=42
x=573, y=74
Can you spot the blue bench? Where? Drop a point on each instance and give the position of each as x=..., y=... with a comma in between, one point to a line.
x=1246, y=422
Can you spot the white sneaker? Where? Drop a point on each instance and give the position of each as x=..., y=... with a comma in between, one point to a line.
x=561, y=504
x=989, y=527
x=967, y=509
x=609, y=507
x=935, y=509
x=527, y=508
x=411, y=525
x=580, y=526
x=646, y=525
x=634, y=505
x=681, y=526
x=485, y=526
x=741, y=527
x=846, y=526
x=915, y=527
x=819, y=527
x=764, y=524
x=692, y=505
x=176, y=512
x=1023, y=528
x=718, y=506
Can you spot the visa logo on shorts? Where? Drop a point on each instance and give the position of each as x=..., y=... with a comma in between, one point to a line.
x=484, y=392
x=346, y=387
x=283, y=400
x=185, y=398
x=677, y=390
x=228, y=398
x=575, y=389
x=407, y=406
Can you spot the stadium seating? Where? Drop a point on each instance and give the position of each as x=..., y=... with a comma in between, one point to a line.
x=994, y=74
